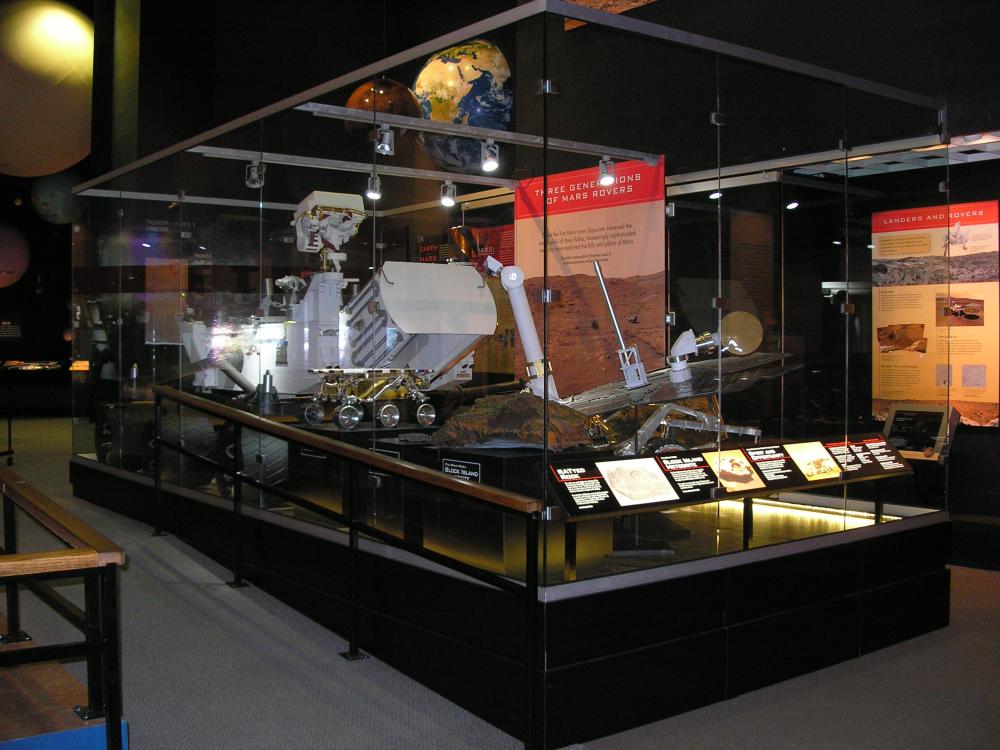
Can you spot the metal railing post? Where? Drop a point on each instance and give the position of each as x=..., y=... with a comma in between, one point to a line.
x=111, y=663
x=353, y=653
x=10, y=428
x=14, y=633
x=158, y=511
x=95, y=659
x=534, y=717
x=237, y=471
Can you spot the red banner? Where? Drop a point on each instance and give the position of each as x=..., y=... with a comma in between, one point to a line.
x=935, y=217
x=635, y=182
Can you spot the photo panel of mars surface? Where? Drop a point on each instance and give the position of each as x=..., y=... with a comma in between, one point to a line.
x=813, y=460
x=638, y=481
x=734, y=470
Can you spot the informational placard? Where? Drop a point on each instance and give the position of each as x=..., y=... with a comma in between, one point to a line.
x=936, y=322
x=921, y=432
x=871, y=456
x=690, y=474
x=621, y=225
x=588, y=488
x=10, y=327
x=775, y=466
x=471, y=471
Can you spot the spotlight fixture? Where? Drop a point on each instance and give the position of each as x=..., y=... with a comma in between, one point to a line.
x=490, y=155
x=714, y=196
x=374, y=187
x=448, y=194
x=837, y=242
x=606, y=172
x=385, y=141
x=792, y=205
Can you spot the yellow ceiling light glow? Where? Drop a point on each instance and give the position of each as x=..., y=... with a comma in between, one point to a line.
x=46, y=76
x=55, y=38
x=49, y=39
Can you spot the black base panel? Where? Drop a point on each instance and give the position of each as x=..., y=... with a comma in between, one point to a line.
x=591, y=627
x=975, y=541
x=489, y=686
x=627, y=690
x=789, y=644
x=617, y=659
x=122, y=495
x=904, y=610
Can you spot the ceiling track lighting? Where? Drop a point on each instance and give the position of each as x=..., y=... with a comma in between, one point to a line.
x=385, y=141
x=374, y=187
x=606, y=172
x=448, y=193
x=490, y=155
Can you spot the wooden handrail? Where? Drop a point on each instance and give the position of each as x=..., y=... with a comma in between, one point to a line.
x=58, y=521
x=55, y=561
x=483, y=493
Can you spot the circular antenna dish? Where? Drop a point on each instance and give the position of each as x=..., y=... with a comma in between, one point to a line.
x=741, y=333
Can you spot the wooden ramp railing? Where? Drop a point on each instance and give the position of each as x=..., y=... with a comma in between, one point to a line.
x=89, y=555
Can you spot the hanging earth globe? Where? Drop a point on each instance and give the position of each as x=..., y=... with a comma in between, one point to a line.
x=468, y=84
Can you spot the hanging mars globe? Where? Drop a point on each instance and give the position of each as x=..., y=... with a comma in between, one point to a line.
x=14, y=256
x=380, y=95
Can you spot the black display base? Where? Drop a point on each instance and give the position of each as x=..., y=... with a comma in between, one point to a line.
x=701, y=636
x=975, y=540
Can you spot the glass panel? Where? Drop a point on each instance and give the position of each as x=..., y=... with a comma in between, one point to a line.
x=899, y=209
x=973, y=269
x=127, y=284
x=256, y=271
x=608, y=319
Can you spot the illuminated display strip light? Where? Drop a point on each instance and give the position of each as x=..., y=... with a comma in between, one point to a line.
x=813, y=510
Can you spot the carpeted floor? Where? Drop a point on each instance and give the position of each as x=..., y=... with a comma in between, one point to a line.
x=207, y=666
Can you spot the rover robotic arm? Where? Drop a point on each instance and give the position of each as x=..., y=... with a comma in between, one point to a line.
x=512, y=278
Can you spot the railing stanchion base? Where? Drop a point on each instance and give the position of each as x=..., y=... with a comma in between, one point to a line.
x=86, y=713
x=354, y=655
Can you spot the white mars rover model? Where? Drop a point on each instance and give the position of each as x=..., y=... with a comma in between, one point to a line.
x=412, y=328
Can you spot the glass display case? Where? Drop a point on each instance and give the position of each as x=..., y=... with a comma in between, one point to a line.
x=655, y=301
